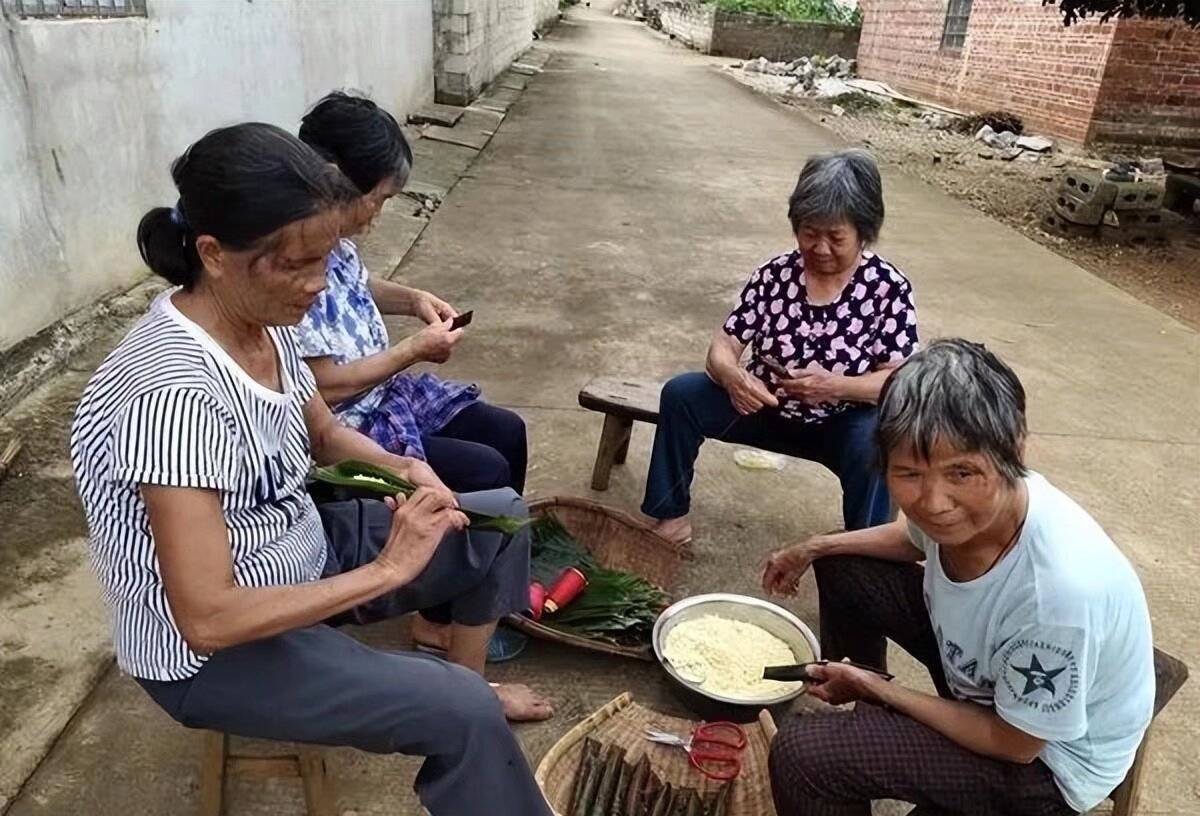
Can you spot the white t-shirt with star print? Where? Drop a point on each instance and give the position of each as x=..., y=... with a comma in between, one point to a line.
x=1056, y=637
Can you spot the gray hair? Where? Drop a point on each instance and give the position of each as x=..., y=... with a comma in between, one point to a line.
x=957, y=392
x=841, y=186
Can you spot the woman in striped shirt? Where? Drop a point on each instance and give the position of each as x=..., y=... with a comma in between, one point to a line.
x=191, y=447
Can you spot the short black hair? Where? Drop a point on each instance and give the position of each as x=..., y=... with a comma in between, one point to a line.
x=238, y=184
x=960, y=393
x=361, y=138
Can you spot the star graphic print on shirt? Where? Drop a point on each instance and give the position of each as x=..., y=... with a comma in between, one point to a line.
x=873, y=323
x=1042, y=674
x=1037, y=677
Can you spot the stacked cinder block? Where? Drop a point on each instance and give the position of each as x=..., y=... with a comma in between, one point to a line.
x=1122, y=212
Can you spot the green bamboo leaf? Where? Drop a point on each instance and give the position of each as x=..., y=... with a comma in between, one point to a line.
x=358, y=475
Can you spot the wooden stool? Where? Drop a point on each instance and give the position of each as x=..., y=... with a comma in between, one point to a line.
x=307, y=764
x=1170, y=673
x=621, y=401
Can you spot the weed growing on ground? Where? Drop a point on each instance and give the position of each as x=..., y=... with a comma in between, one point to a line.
x=855, y=101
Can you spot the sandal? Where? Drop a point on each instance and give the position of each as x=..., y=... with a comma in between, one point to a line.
x=505, y=645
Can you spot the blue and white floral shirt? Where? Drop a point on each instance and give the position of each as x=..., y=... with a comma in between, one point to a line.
x=345, y=325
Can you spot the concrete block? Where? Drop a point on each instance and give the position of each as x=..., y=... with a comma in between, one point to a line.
x=1056, y=225
x=1078, y=212
x=1137, y=227
x=457, y=64
x=435, y=114
x=469, y=43
x=474, y=139
x=1088, y=187
x=1131, y=236
x=512, y=81
x=1138, y=195
x=1146, y=220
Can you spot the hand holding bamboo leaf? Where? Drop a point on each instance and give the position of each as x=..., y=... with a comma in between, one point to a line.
x=384, y=483
x=419, y=524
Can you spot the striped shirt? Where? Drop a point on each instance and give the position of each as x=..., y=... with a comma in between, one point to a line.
x=170, y=407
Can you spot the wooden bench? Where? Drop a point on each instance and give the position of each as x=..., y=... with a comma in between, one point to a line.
x=1170, y=673
x=622, y=401
x=307, y=764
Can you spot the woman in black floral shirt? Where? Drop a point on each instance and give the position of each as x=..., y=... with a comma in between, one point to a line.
x=825, y=324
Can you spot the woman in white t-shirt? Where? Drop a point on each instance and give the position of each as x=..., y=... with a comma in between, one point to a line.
x=1031, y=622
x=191, y=446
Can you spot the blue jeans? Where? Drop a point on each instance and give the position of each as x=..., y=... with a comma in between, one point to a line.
x=694, y=408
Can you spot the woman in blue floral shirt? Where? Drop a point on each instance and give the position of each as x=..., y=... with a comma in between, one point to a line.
x=470, y=444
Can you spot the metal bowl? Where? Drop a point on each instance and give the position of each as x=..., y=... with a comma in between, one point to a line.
x=770, y=617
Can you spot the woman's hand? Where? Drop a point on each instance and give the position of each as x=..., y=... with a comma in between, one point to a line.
x=838, y=683
x=431, y=308
x=418, y=525
x=812, y=386
x=420, y=474
x=748, y=393
x=435, y=342
x=784, y=568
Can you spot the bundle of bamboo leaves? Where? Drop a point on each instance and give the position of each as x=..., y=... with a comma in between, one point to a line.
x=607, y=785
x=616, y=606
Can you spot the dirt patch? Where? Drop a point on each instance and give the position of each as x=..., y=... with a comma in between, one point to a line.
x=1017, y=193
x=38, y=500
x=21, y=678
x=34, y=533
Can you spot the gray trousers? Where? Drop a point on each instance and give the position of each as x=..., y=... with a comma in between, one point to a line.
x=317, y=685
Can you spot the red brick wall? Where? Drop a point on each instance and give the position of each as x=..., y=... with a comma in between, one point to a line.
x=1017, y=57
x=1151, y=89
x=900, y=45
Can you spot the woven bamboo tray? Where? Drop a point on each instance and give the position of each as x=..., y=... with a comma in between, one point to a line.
x=618, y=541
x=622, y=722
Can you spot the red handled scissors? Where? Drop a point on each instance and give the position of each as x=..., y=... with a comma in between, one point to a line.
x=714, y=749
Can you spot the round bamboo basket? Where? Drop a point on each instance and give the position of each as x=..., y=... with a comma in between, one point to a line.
x=618, y=541
x=622, y=722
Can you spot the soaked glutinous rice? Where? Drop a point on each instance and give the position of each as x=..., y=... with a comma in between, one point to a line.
x=727, y=657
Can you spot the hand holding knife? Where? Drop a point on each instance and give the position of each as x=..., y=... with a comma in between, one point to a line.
x=799, y=671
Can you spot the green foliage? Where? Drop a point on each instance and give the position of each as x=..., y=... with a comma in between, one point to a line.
x=1075, y=11
x=823, y=11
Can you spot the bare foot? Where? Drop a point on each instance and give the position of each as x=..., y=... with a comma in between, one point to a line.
x=678, y=530
x=427, y=633
x=521, y=703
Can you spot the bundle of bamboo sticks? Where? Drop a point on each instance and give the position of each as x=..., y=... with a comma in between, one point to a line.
x=607, y=785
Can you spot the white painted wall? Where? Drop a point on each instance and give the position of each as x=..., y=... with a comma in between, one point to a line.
x=92, y=112
x=545, y=12
x=476, y=41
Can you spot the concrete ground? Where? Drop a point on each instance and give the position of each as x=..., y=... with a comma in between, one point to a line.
x=606, y=229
